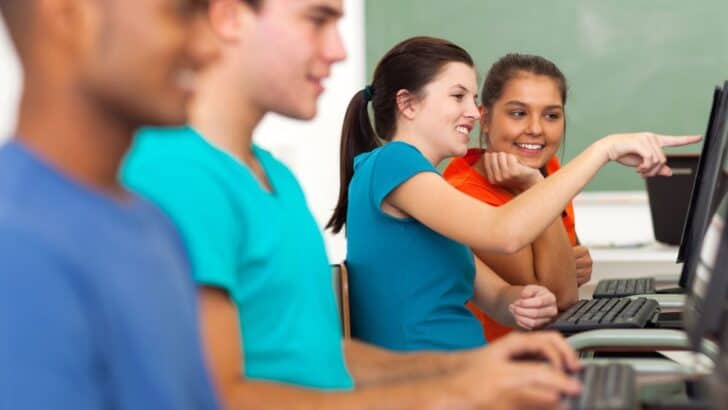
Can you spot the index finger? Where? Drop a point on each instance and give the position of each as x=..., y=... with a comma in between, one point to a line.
x=676, y=141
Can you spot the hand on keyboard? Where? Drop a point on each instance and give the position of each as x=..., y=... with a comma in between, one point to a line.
x=505, y=381
x=535, y=308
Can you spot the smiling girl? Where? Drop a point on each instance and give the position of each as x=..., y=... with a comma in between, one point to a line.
x=409, y=231
x=523, y=115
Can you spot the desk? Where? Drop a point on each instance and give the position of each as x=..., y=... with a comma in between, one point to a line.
x=653, y=259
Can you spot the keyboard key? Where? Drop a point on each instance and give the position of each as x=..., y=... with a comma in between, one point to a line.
x=605, y=387
x=624, y=287
x=607, y=313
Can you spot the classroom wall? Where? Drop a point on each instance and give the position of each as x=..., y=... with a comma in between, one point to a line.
x=632, y=65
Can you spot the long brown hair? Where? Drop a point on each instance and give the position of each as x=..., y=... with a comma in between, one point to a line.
x=410, y=65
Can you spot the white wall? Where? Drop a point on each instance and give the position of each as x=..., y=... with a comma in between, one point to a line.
x=10, y=84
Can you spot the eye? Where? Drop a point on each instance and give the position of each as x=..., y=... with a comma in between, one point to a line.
x=517, y=113
x=553, y=116
x=318, y=20
x=458, y=97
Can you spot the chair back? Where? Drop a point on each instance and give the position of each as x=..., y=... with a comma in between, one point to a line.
x=341, y=289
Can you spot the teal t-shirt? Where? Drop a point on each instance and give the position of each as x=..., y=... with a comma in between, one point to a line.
x=264, y=248
x=408, y=284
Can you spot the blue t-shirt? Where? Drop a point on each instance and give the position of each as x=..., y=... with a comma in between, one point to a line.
x=263, y=248
x=97, y=306
x=408, y=283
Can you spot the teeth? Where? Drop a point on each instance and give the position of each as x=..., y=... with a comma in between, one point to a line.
x=186, y=79
x=462, y=130
x=531, y=146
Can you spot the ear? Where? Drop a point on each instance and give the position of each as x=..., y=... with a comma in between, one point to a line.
x=228, y=18
x=406, y=104
x=484, y=120
x=71, y=24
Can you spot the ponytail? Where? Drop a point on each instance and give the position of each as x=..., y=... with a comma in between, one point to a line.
x=357, y=137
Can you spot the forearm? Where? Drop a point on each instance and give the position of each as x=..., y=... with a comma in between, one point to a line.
x=436, y=393
x=492, y=294
x=520, y=221
x=504, y=297
x=370, y=365
x=554, y=265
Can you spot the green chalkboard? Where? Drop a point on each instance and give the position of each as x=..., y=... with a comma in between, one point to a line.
x=632, y=65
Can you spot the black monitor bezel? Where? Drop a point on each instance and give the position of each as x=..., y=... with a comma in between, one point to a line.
x=702, y=197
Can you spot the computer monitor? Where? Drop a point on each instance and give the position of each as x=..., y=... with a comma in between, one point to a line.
x=706, y=303
x=709, y=133
x=702, y=198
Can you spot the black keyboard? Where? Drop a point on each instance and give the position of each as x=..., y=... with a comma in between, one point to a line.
x=617, y=288
x=607, y=313
x=605, y=387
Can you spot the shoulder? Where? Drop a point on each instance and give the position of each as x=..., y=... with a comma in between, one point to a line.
x=178, y=171
x=397, y=158
x=401, y=151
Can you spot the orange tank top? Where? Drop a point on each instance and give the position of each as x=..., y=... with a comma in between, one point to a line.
x=461, y=174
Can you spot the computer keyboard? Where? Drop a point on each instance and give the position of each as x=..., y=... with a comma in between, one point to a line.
x=617, y=288
x=605, y=387
x=607, y=313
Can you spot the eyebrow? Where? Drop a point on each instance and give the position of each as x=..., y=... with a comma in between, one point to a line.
x=327, y=11
x=522, y=104
x=462, y=87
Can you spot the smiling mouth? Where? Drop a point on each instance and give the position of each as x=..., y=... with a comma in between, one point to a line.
x=463, y=130
x=530, y=147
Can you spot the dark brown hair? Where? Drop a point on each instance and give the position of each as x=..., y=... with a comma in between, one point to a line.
x=510, y=66
x=410, y=65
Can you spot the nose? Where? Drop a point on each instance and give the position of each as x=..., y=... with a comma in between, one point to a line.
x=334, y=50
x=534, y=126
x=473, y=111
x=204, y=47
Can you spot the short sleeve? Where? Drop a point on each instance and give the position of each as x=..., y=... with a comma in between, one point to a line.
x=200, y=208
x=45, y=335
x=394, y=164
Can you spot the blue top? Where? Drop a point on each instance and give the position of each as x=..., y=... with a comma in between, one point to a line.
x=97, y=307
x=408, y=283
x=263, y=248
